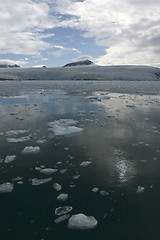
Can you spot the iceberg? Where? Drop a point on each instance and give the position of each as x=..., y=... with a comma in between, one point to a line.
x=6, y=187
x=63, y=210
x=82, y=222
x=31, y=149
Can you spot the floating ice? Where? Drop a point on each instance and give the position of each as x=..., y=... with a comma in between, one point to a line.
x=57, y=186
x=64, y=127
x=61, y=218
x=82, y=222
x=85, y=163
x=18, y=140
x=61, y=131
x=140, y=189
x=10, y=158
x=15, y=132
x=48, y=171
x=37, y=182
x=62, y=197
x=6, y=187
x=63, y=210
x=31, y=149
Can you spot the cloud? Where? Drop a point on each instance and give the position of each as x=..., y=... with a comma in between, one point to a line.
x=22, y=26
x=130, y=31
x=63, y=50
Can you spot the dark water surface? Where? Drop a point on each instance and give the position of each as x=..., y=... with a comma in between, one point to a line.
x=120, y=139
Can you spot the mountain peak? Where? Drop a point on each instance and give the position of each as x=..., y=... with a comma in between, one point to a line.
x=79, y=63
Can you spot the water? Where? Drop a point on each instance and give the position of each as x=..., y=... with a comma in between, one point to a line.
x=110, y=170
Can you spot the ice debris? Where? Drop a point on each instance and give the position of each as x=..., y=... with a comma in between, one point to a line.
x=63, y=210
x=62, y=197
x=62, y=218
x=37, y=182
x=95, y=189
x=6, y=187
x=48, y=171
x=31, y=149
x=10, y=158
x=57, y=186
x=82, y=222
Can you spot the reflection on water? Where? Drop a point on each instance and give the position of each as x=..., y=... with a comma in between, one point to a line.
x=109, y=171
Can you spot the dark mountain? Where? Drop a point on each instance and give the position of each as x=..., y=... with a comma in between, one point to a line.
x=9, y=66
x=79, y=63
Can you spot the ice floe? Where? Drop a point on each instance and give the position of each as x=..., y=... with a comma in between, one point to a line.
x=18, y=140
x=57, y=186
x=82, y=222
x=63, y=210
x=31, y=149
x=48, y=171
x=6, y=187
x=62, y=197
x=10, y=158
x=37, y=182
x=15, y=132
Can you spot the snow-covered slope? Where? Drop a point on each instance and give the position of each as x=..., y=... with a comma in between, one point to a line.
x=130, y=73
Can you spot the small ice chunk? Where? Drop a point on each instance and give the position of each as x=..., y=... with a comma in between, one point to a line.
x=75, y=177
x=63, y=210
x=62, y=197
x=63, y=171
x=82, y=222
x=6, y=187
x=41, y=141
x=85, y=163
x=37, y=182
x=104, y=193
x=10, y=158
x=48, y=171
x=61, y=218
x=57, y=186
x=140, y=189
x=31, y=149
x=18, y=140
x=95, y=189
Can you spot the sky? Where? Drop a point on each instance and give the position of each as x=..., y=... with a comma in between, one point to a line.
x=56, y=32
